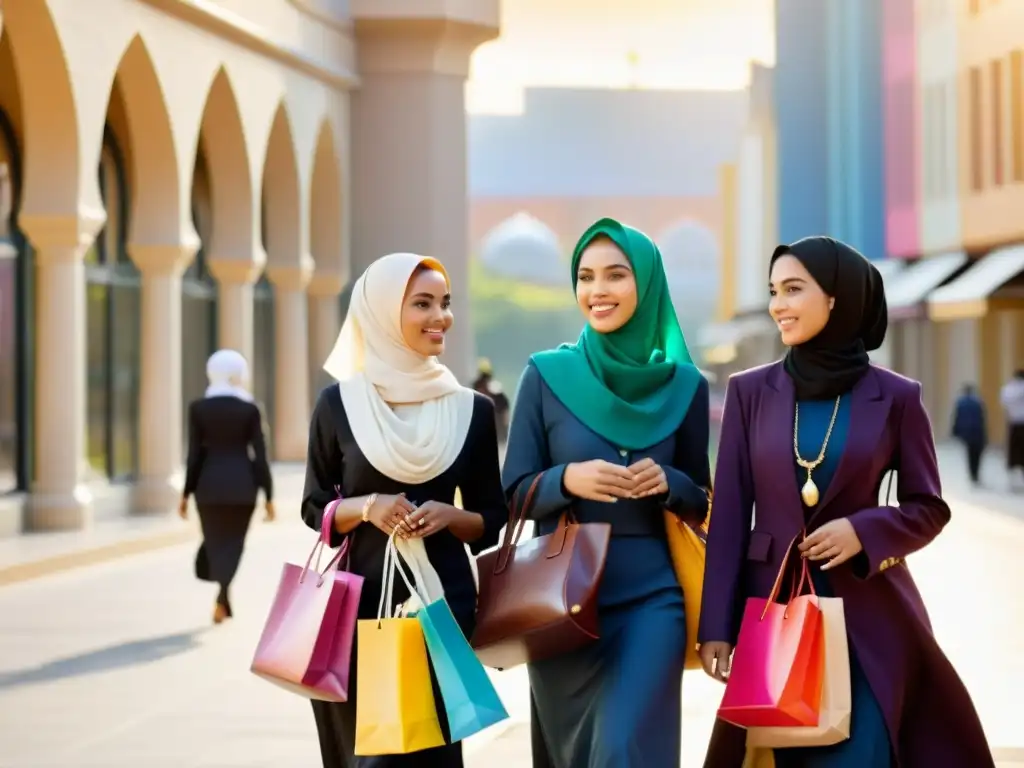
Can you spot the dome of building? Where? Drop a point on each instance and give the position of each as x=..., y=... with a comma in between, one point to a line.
x=692, y=263
x=524, y=248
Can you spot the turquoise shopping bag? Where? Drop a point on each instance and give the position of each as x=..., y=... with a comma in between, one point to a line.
x=469, y=697
x=470, y=700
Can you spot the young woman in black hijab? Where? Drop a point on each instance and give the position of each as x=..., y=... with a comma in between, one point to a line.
x=828, y=352
x=808, y=441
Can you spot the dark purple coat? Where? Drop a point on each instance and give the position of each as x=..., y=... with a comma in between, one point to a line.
x=930, y=715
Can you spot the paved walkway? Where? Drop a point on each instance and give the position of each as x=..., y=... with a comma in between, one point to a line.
x=115, y=665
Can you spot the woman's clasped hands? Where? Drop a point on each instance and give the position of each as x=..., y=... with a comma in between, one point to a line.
x=396, y=514
x=600, y=480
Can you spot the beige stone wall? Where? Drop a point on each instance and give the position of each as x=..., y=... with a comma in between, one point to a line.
x=263, y=90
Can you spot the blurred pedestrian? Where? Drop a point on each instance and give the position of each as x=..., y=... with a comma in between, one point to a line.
x=621, y=416
x=1012, y=399
x=970, y=429
x=395, y=437
x=486, y=384
x=227, y=465
x=807, y=443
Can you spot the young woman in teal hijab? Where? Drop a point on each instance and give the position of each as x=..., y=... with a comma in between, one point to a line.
x=618, y=425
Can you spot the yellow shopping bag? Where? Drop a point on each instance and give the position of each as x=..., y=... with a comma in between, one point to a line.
x=395, y=709
x=687, y=548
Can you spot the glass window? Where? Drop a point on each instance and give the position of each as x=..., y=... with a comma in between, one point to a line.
x=9, y=371
x=997, y=121
x=10, y=329
x=125, y=312
x=113, y=313
x=263, y=348
x=97, y=298
x=976, y=125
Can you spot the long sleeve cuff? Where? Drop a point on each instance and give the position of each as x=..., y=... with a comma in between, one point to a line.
x=687, y=500
x=549, y=497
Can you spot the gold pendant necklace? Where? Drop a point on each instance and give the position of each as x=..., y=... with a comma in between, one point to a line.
x=809, y=493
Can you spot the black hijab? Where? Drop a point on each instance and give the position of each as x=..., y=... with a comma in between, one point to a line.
x=829, y=364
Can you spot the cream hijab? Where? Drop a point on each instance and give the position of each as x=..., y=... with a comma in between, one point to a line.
x=228, y=373
x=408, y=413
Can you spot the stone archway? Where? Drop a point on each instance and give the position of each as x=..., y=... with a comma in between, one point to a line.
x=284, y=231
x=233, y=254
x=162, y=241
x=55, y=183
x=156, y=204
x=326, y=213
x=60, y=213
x=326, y=238
x=289, y=268
x=223, y=141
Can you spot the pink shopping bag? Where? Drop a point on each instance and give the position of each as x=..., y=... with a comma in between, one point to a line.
x=779, y=663
x=306, y=645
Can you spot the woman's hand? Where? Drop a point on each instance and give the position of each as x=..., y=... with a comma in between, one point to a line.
x=388, y=512
x=183, y=509
x=716, y=658
x=271, y=514
x=599, y=480
x=836, y=541
x=431, y=517
x=649, y=477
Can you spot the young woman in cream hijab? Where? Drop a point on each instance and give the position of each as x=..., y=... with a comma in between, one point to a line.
x=396, y=436
x=227, y=465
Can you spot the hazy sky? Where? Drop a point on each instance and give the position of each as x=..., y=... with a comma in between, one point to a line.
x=675, y=44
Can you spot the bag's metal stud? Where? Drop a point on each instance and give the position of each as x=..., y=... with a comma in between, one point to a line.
x=575, y=609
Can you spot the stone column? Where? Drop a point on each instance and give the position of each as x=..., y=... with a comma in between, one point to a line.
x=324, y=323
x=59, y=501
x=160, y=400
x=235, y=279
x=291, y=374
x=409, y=141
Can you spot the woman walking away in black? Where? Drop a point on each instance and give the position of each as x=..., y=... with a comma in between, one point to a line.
x=227, y=465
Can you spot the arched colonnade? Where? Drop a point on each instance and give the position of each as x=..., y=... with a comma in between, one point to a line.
x=163, y=195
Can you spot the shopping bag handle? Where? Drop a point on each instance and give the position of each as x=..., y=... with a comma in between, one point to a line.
x=414, y=553
x=392, y=563
x=797, y=585
x=324, y=541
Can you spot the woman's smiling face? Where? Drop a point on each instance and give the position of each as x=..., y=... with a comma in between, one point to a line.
x=426, y=312
x=797, y=304
x=605, y=286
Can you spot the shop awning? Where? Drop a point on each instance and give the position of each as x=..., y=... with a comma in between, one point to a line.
x=908, y=291
x=969, y=295
x=889, y=269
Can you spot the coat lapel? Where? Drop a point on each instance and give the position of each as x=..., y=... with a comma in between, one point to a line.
x=777, y=457
x=869, y=414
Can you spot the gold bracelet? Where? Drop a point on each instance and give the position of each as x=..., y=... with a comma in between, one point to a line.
x=368, y=505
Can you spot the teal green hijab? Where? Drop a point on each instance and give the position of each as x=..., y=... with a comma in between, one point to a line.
x=632, y=386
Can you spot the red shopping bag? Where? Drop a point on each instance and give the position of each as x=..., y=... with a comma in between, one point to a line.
x=779, y=663
x=306, y=644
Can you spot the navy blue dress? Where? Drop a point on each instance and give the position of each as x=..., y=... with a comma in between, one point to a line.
x=868, y=745
x=616, y=702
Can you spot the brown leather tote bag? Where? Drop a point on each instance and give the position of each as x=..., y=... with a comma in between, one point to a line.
x=538, y=599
